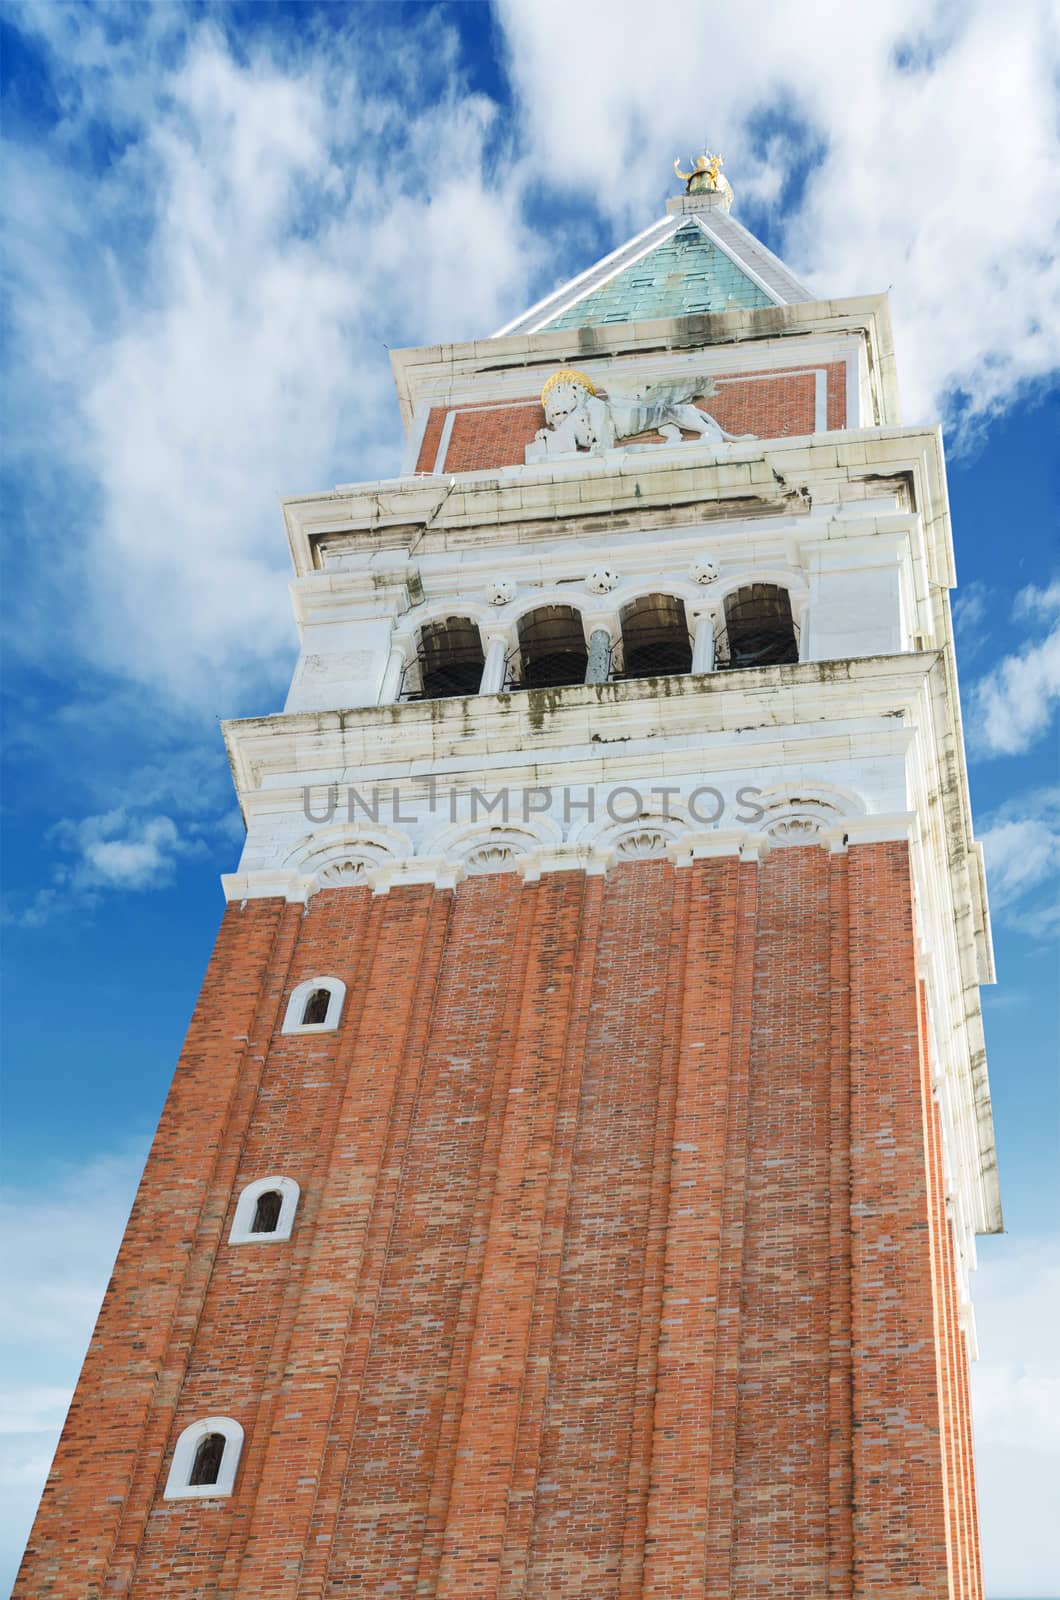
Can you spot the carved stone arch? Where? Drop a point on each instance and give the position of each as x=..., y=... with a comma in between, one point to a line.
x=646, y=837
x=603, y=833
x=408, y=627
x=549, y=594
x=642, y=588
x=804, y=814
x=498, y=850
x=349, y=869
x=793, y=579
x=669, y=585
x=482, y=847
x=644, y=841
x=344, y=855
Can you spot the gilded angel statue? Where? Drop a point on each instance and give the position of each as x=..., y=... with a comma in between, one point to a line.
x=704, y=175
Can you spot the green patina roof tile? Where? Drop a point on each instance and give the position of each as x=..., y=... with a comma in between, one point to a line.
x=683, y=275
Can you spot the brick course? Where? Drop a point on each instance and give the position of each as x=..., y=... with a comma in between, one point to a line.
x=622, y=1267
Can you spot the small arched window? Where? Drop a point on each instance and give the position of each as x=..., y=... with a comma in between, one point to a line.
x=552, y=648
x=265, y=1211
x=655, y=640
x=315, y=1006
x=206, y=1468
x=449, y=661
x=205, y=1460
x=759, y=629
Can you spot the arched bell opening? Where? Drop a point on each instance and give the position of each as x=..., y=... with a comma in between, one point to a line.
x=552, y=648
x=655, y=638
x=449, y=660
x=759, y=629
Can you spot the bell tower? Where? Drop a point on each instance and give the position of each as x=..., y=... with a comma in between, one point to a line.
x=570, y=1181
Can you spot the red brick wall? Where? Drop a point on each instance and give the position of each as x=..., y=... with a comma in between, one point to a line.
x=773, y=407
x=621, y=1268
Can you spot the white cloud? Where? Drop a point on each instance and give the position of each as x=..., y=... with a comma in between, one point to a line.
x=144, y=817
x=35, y=1410
x=971, y=614
x=1021, y=841
x=60, y=1243
x=198, y=326
x=116, y=851
x=1035, y=602
x=1021, y=848
x=1016, y=1412
x=970, y=604
x=935, y=133
x=208, y=315
x=61, y=1236
x=1014, y=704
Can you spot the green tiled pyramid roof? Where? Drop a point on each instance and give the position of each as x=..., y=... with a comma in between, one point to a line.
x=684, y=274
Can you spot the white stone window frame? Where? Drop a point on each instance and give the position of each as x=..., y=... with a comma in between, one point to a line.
x=247, y=1204
x=292, y=1022
x=177, y=1484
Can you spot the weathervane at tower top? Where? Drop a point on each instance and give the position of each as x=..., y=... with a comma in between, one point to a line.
x=705, y=177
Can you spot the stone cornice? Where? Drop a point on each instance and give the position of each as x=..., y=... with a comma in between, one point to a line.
x=575, y=726
x=624, y=491
x=442, y=872
x=438, y=371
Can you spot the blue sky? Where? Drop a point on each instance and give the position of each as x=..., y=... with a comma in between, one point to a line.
x=219, y=218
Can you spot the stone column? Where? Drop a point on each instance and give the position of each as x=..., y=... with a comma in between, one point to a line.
x=395, y=669
x=598, y=666
x=493, y=670
x=703, y=643
x=799, y=610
